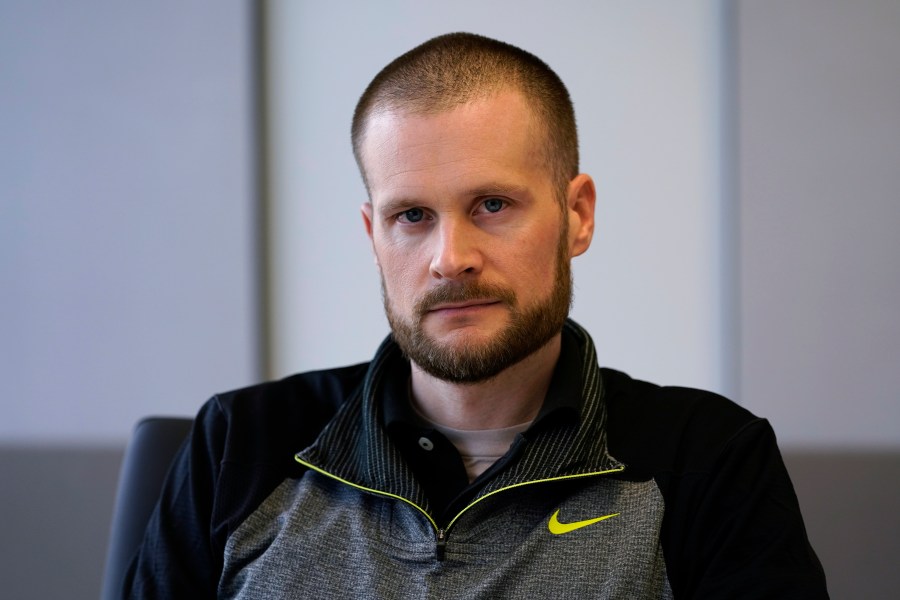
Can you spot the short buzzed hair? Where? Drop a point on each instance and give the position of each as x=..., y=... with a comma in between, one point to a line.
x=456, y=68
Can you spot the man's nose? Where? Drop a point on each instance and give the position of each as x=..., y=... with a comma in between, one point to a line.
x=456, y=252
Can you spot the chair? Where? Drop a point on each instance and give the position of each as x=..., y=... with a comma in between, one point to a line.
x=144, y=466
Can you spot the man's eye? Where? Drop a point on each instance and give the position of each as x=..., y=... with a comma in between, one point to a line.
x=413, y=215
x=493, y=205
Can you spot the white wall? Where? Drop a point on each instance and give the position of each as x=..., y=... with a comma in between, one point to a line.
x=126, y=214
x=644, y=77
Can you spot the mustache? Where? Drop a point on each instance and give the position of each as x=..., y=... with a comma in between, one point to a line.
x=464, y=292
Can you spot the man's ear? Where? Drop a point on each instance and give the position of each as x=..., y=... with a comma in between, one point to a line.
x=366, y=210
x=581, y=196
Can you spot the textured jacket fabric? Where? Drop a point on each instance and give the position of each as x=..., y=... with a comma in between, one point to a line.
x=293, y=489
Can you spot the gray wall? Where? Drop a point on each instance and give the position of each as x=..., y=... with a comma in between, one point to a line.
x=126, y=255
x=819, y=209
x=819, y=131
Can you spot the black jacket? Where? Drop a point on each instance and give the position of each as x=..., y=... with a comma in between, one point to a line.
x=294, y=489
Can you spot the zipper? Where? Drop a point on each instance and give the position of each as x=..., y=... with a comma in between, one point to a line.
x=441, y=532
x=441, y=544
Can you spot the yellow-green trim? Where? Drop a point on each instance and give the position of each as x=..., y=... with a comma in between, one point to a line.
x=450, y=524
x=366, y=489
x=509, y=487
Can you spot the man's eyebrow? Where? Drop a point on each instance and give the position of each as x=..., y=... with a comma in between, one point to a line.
x=499, y=189
x=395, y=205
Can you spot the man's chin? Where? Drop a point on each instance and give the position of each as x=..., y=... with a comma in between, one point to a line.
x=463, y=336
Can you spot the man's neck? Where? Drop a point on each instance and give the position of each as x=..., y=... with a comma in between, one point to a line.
x=513, y=397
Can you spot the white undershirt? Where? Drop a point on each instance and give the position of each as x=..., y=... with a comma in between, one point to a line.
x=480, y=448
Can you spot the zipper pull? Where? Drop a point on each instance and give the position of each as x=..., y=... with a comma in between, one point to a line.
x=441, y=544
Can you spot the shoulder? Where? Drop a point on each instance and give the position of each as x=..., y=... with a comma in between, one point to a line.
x=669, y=428
x=302, y=394
x=241, y=448
x=280, y=416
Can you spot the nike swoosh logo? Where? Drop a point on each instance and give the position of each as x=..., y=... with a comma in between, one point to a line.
x=558, y=528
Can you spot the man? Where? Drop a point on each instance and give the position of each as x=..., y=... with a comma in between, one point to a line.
x=482, y=453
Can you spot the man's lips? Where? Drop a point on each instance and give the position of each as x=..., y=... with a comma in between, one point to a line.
x=454, y=306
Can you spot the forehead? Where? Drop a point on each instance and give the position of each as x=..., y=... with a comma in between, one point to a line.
x=476, y=143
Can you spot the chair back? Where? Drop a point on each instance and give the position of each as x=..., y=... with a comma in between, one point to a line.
x=144, y=467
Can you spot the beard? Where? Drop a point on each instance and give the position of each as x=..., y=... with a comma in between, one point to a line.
x=528, y=331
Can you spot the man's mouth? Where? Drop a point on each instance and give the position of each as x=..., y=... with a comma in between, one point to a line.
x=462, y=299
x=461, y=305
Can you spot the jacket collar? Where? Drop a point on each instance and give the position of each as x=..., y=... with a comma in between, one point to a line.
x=355, y=447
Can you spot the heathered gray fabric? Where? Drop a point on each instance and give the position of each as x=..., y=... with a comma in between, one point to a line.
x=319, y=538
x=322, y=537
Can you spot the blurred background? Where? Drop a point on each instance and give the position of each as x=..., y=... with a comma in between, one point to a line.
x=179, y=216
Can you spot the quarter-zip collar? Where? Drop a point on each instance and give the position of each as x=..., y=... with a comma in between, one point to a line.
x=354, y=446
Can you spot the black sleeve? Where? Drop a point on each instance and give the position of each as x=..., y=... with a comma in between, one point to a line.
x=735, y=531
x=177, y=558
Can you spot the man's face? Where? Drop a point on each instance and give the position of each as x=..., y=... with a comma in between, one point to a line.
x=469, y=235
